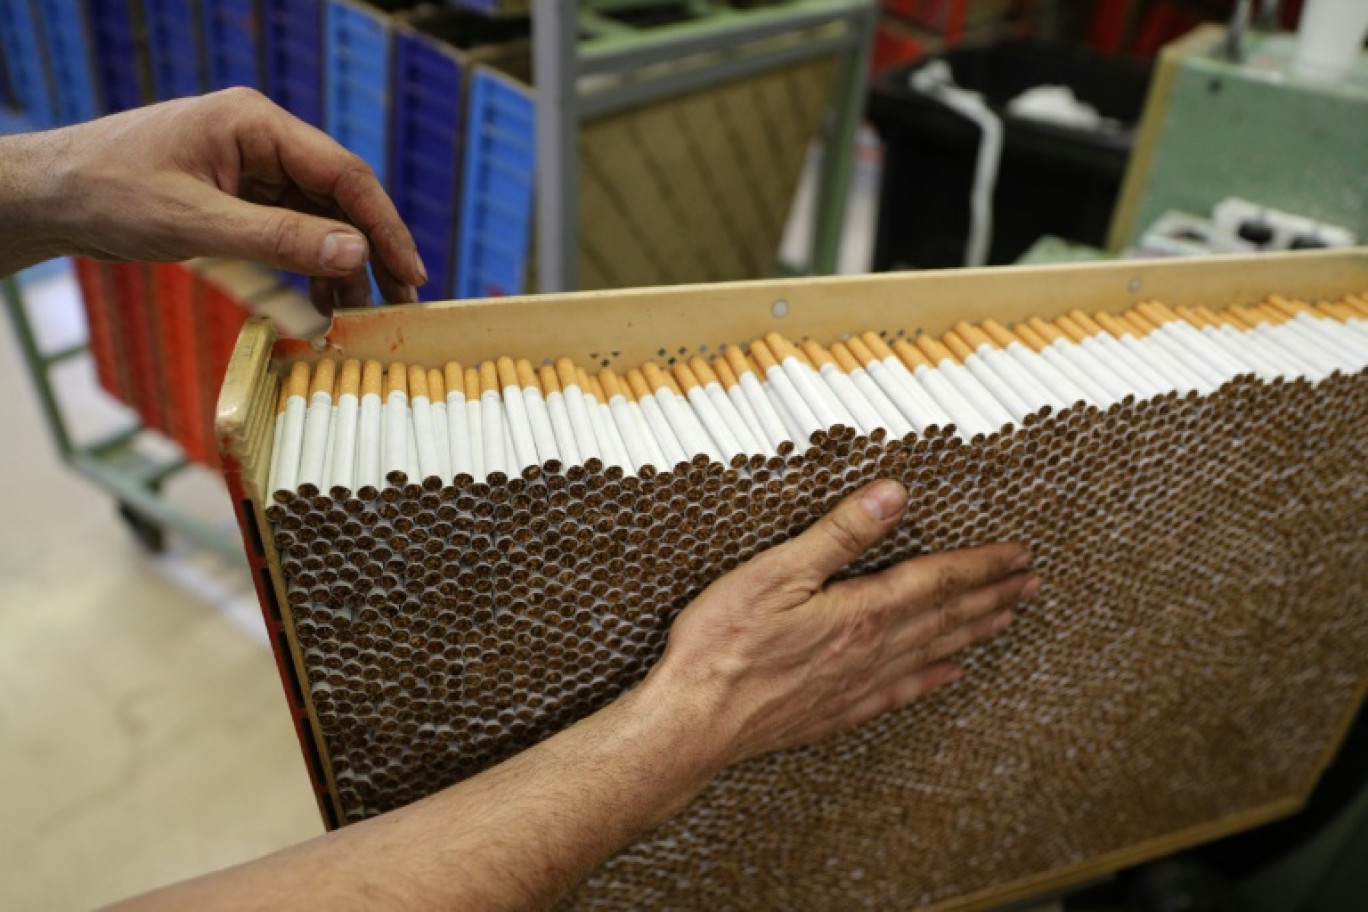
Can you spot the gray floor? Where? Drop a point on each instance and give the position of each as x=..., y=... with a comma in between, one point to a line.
x=143, y=734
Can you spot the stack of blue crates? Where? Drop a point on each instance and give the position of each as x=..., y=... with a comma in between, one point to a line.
x=231, y=43
x=416, y=94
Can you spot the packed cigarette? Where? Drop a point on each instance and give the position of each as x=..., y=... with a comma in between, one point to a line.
x=558, y=414
x=292, y=428
x=492, y=422
x=457, y=423
x=779, y=428
x=317, y=424
x=748, y=395
x=349, y=427
x=830, y=413
x=963, y=415
x=577, y=406
x=633, y=434
x=980, y=397
x=395, y=465
x=805, y=419
x=424, y=434
x=369, y=475
x=437, y=405
x=708, y=414
x=898, y=384
x=341, y=475
x=1048, y=374
x=1030, y=390
x=614, y=450
x=745, y=432
x=889, y=414
x=866, y=416
x=1108, y=349
x=548, y=452
x=515, y=412
x=475, y=423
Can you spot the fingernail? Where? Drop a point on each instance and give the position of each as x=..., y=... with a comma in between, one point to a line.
x=1023, y=561
x=343, y=250
x=1002, y=620
x=884, y=500
x=420, y=268
x=1031, y=588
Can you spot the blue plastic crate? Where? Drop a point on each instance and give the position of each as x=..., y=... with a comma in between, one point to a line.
x=425, y=156
x=173, y=47
x=231, y=43
x=496, y=194
x=357, y=44
x=292, y=43
x=119, y=52
x=23, y=58
x=66, y=39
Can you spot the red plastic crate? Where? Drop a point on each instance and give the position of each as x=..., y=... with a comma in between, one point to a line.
x=134, y=313
x=104, y=349
x=173, y=292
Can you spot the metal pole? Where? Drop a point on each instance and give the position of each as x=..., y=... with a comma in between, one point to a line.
x=38, y=366
x=848, y=101
x=555, y=60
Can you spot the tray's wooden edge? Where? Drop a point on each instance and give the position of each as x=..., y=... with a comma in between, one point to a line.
x=243, y=426
x=1059, y=879
x=631, y=325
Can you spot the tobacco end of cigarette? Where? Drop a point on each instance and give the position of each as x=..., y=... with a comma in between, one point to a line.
x=298, y=381
x=396, y=380
x=527, y=378
x=372, y=378
x=417, y=381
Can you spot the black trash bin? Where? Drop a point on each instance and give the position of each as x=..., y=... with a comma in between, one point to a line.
x=1051, y=180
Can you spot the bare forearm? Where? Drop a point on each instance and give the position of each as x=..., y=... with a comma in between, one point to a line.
x=516, y=837
x=30, y=167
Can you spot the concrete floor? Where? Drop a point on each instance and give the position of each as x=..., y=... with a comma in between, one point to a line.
x=143, y=735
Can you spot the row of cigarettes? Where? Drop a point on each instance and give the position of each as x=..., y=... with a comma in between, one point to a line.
x=359, y=427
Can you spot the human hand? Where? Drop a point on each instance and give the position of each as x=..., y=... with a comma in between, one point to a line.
x=780, y=657
x=229, y=174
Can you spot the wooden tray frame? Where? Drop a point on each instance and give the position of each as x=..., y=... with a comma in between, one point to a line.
x=631, y=325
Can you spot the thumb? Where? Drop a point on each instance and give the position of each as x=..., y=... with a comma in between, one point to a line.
x=279, y=237
x=852, y=528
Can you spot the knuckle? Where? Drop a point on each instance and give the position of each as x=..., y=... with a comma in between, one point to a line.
x=282, y=236
x=843, y=534
x=947, y=585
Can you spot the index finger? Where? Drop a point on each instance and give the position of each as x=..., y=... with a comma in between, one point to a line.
x=935, y=579
x=323, y=168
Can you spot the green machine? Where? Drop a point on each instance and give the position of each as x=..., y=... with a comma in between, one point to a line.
x=1214, y=128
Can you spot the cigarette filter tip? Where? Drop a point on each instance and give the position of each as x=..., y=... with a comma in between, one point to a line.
x=417, y=381
x=396, y=379
x=298, y=382
x=455, y=377
x=350, y=381
x=372, y=378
